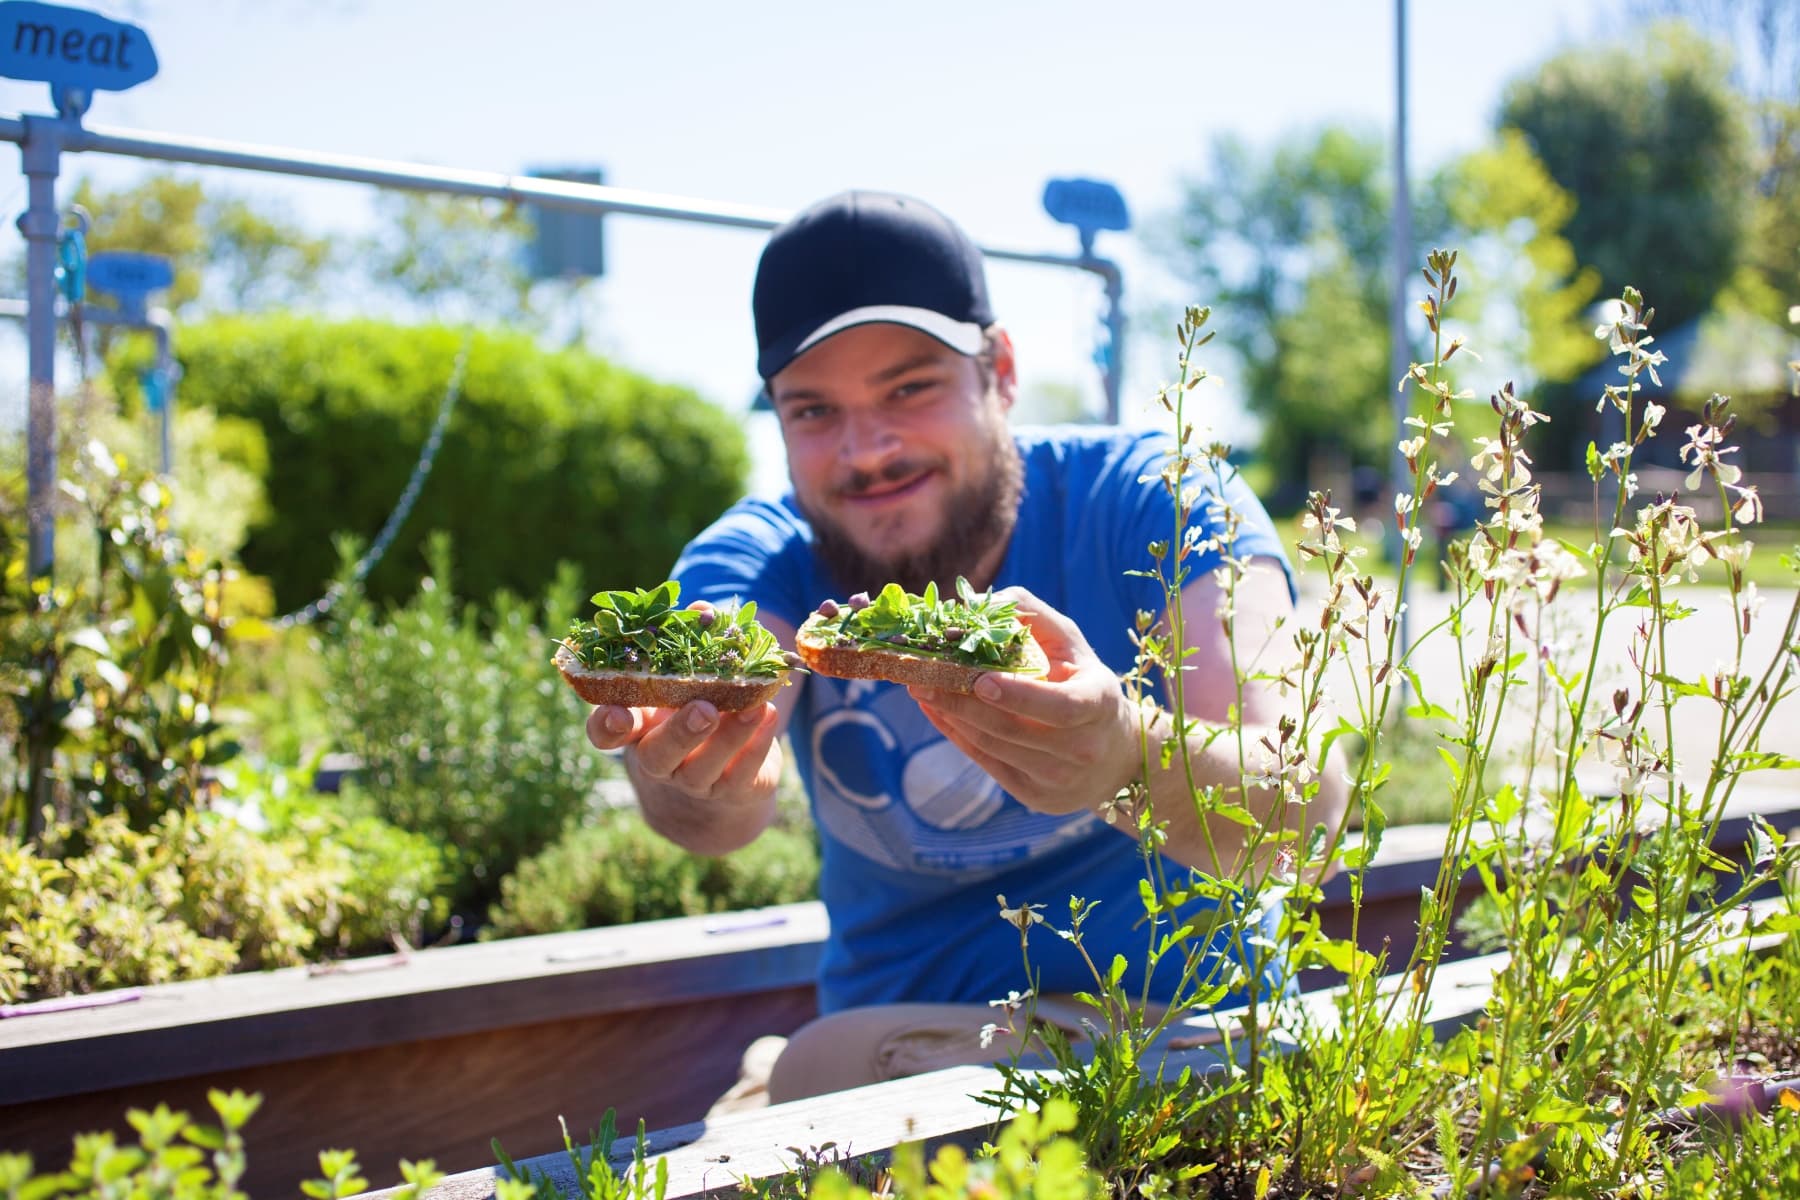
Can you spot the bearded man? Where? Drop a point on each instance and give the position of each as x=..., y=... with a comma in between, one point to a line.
x=892, y=383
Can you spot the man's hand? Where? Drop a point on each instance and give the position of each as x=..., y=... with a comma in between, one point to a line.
x=1059, y=744
x=695, y=749
x=706, y=780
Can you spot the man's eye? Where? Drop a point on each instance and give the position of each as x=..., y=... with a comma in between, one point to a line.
x=914, y=388
x=803, y=413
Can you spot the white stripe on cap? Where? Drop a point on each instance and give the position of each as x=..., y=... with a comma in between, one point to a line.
x=964, y=337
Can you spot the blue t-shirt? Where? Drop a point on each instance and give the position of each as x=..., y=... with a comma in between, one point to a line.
x=917, y=840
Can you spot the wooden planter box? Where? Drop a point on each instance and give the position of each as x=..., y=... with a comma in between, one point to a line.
x=435, y=1054
x=708, y=1157
x=430, y=1056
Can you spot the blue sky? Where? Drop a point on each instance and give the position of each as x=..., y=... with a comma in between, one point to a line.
x=970, y=105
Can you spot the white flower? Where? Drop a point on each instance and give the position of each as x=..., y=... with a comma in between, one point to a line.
x=1734, y=555
x=1653, y=415
x=1703, y=445
x=1411, y=446
x=1748, y=508
x=1487, y=459
x=1403, y=504
x=1022, y=917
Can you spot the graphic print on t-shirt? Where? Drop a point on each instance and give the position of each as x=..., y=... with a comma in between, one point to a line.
x=894, y=790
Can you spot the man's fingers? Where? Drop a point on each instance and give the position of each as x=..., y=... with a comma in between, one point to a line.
x=1057, y=634
x=740, y=776
x=611, y=726
x=700, y=772
x=662, y=749
x=1000, y=698
x=978, y=743
x=696, y=746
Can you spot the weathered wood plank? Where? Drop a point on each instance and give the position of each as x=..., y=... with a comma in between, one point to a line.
x=241, y=1021
x=445, y=1098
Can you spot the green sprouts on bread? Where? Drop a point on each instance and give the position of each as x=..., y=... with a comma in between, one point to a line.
x=638, y=630
x=972, y=628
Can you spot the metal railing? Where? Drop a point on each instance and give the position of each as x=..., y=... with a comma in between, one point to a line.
x=43, y=140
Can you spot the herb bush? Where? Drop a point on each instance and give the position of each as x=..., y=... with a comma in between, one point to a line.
x=116, y=748
x=114, y=667
x=199, y=894
x=549, y=454
x=617, y=870
x=1616, y=913
x=464, y=733
x=179, y=1158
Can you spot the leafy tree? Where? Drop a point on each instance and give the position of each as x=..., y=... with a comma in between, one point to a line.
x=1509, y=214
x=1655, y=146
x=228, y=252
x=457, y=259
x=1290, y=248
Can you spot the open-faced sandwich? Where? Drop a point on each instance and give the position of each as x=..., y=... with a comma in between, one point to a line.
x=641, y=650
x=920, y=639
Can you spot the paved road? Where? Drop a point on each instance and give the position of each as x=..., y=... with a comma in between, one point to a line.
x=1698, y=645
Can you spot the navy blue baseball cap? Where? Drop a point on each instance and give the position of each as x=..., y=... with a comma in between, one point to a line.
x=861, y=258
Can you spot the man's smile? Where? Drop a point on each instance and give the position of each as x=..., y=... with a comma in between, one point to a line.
x=884, y=492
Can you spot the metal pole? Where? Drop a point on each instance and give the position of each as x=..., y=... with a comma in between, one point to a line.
x=159, y=321
x=1399, y=351
x=1112, y=371
x=489, y=185
x=40, y=148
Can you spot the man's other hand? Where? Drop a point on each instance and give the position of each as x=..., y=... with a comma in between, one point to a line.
x=1058, y=744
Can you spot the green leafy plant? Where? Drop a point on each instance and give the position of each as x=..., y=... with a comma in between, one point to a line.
x=179, y=1158
x=595, y=1178
x=616, y=871
x=462, y=735
x=1032, y=1158
x=114, y=668
x=540, y=440
x=643, y=630
x=202, y=894
x=1614, y=906
x=970, y=627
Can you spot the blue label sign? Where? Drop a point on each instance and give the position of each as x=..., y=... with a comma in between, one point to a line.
x=127, y=274
x=72, y=48
x=1087, y=204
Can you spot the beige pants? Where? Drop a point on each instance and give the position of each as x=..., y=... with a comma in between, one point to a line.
x=859, y=1046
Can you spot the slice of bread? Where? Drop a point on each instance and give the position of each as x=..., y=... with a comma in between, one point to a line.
x=643, y=690
x=820, y=653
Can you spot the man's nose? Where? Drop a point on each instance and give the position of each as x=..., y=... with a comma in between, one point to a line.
x=868, y=442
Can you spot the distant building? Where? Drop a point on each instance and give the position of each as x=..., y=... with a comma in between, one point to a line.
x=1732, y=354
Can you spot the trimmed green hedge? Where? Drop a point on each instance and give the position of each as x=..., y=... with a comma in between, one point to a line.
x=550, y=454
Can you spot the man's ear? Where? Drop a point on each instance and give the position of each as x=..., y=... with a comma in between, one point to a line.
x=1006, y=373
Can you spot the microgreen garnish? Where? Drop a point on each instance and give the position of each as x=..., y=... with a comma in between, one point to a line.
x=971, y=627
x=638, y=630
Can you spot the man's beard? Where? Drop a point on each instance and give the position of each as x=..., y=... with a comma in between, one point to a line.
x=978, y=516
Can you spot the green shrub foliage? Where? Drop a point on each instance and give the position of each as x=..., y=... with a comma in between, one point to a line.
x=550, y=455
x=202, y=894
x=466, y=733
x=617, y=871
x=179, y=1158
x=113, y=668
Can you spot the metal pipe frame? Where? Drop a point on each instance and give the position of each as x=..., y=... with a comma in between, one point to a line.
x=43, y=140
